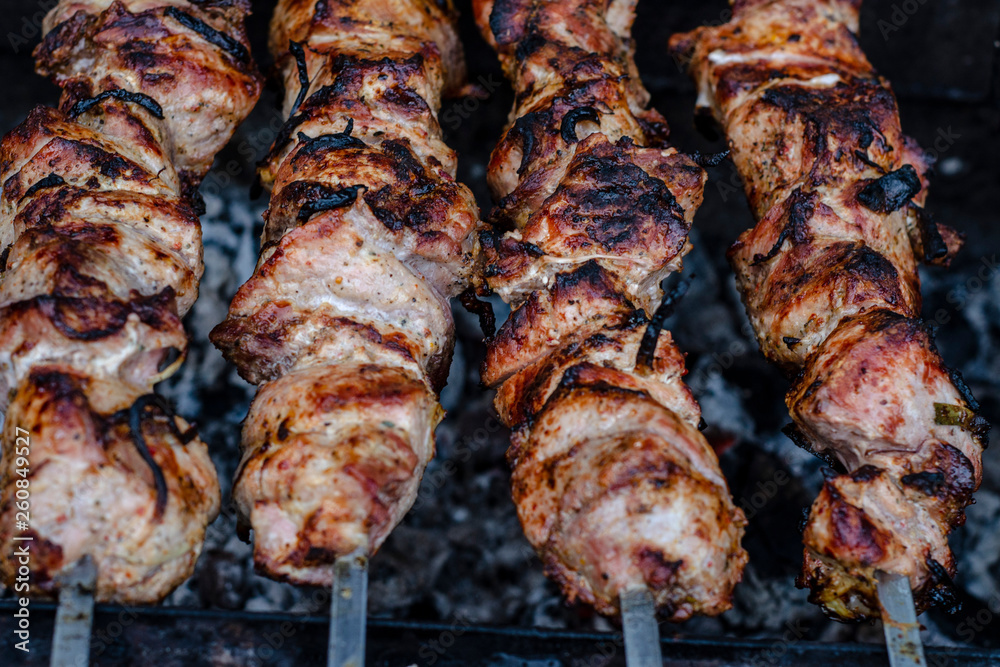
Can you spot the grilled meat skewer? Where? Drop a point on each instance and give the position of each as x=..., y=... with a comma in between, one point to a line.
x=101, y=260
x=828, y=276
x=615, y=486
x=345, y=324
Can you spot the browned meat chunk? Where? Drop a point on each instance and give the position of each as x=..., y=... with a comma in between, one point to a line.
x=614, y=484
x=345, y=324
x=101, y=259
x=828, y=276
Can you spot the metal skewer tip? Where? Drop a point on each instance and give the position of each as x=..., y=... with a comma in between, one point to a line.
x=348, y=611
x=642, y=635
x=899, y=621
x=75, y=616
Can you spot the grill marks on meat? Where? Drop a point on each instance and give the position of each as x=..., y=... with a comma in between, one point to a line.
x=345, y=324
x=877, y=383
x=205, y=91
x=102, y=260
x=613, y=482
x=347, y=444
x=838, y=190
x=93, y=493
x=612, y=205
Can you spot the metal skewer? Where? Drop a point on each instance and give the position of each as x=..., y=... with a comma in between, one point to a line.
x=899, y=621
x=348, y=611
x=642, y=635
x=75, y=616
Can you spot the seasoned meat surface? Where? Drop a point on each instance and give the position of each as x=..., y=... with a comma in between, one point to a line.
x=93, y=492
x=615, y=486
x=828, y=276
x=345, y=324
x=191, y=57
x=101, y=259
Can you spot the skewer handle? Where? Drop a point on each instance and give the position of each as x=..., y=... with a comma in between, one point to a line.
x=75, y=616
x=348, y=611
x=899, y=621
x=642, y=635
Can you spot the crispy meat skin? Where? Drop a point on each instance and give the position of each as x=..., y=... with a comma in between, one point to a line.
x=828, y=277
x=614, y=485
x=102, y=257
x=345, y=324
x=91, y=493
x=92, y=46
